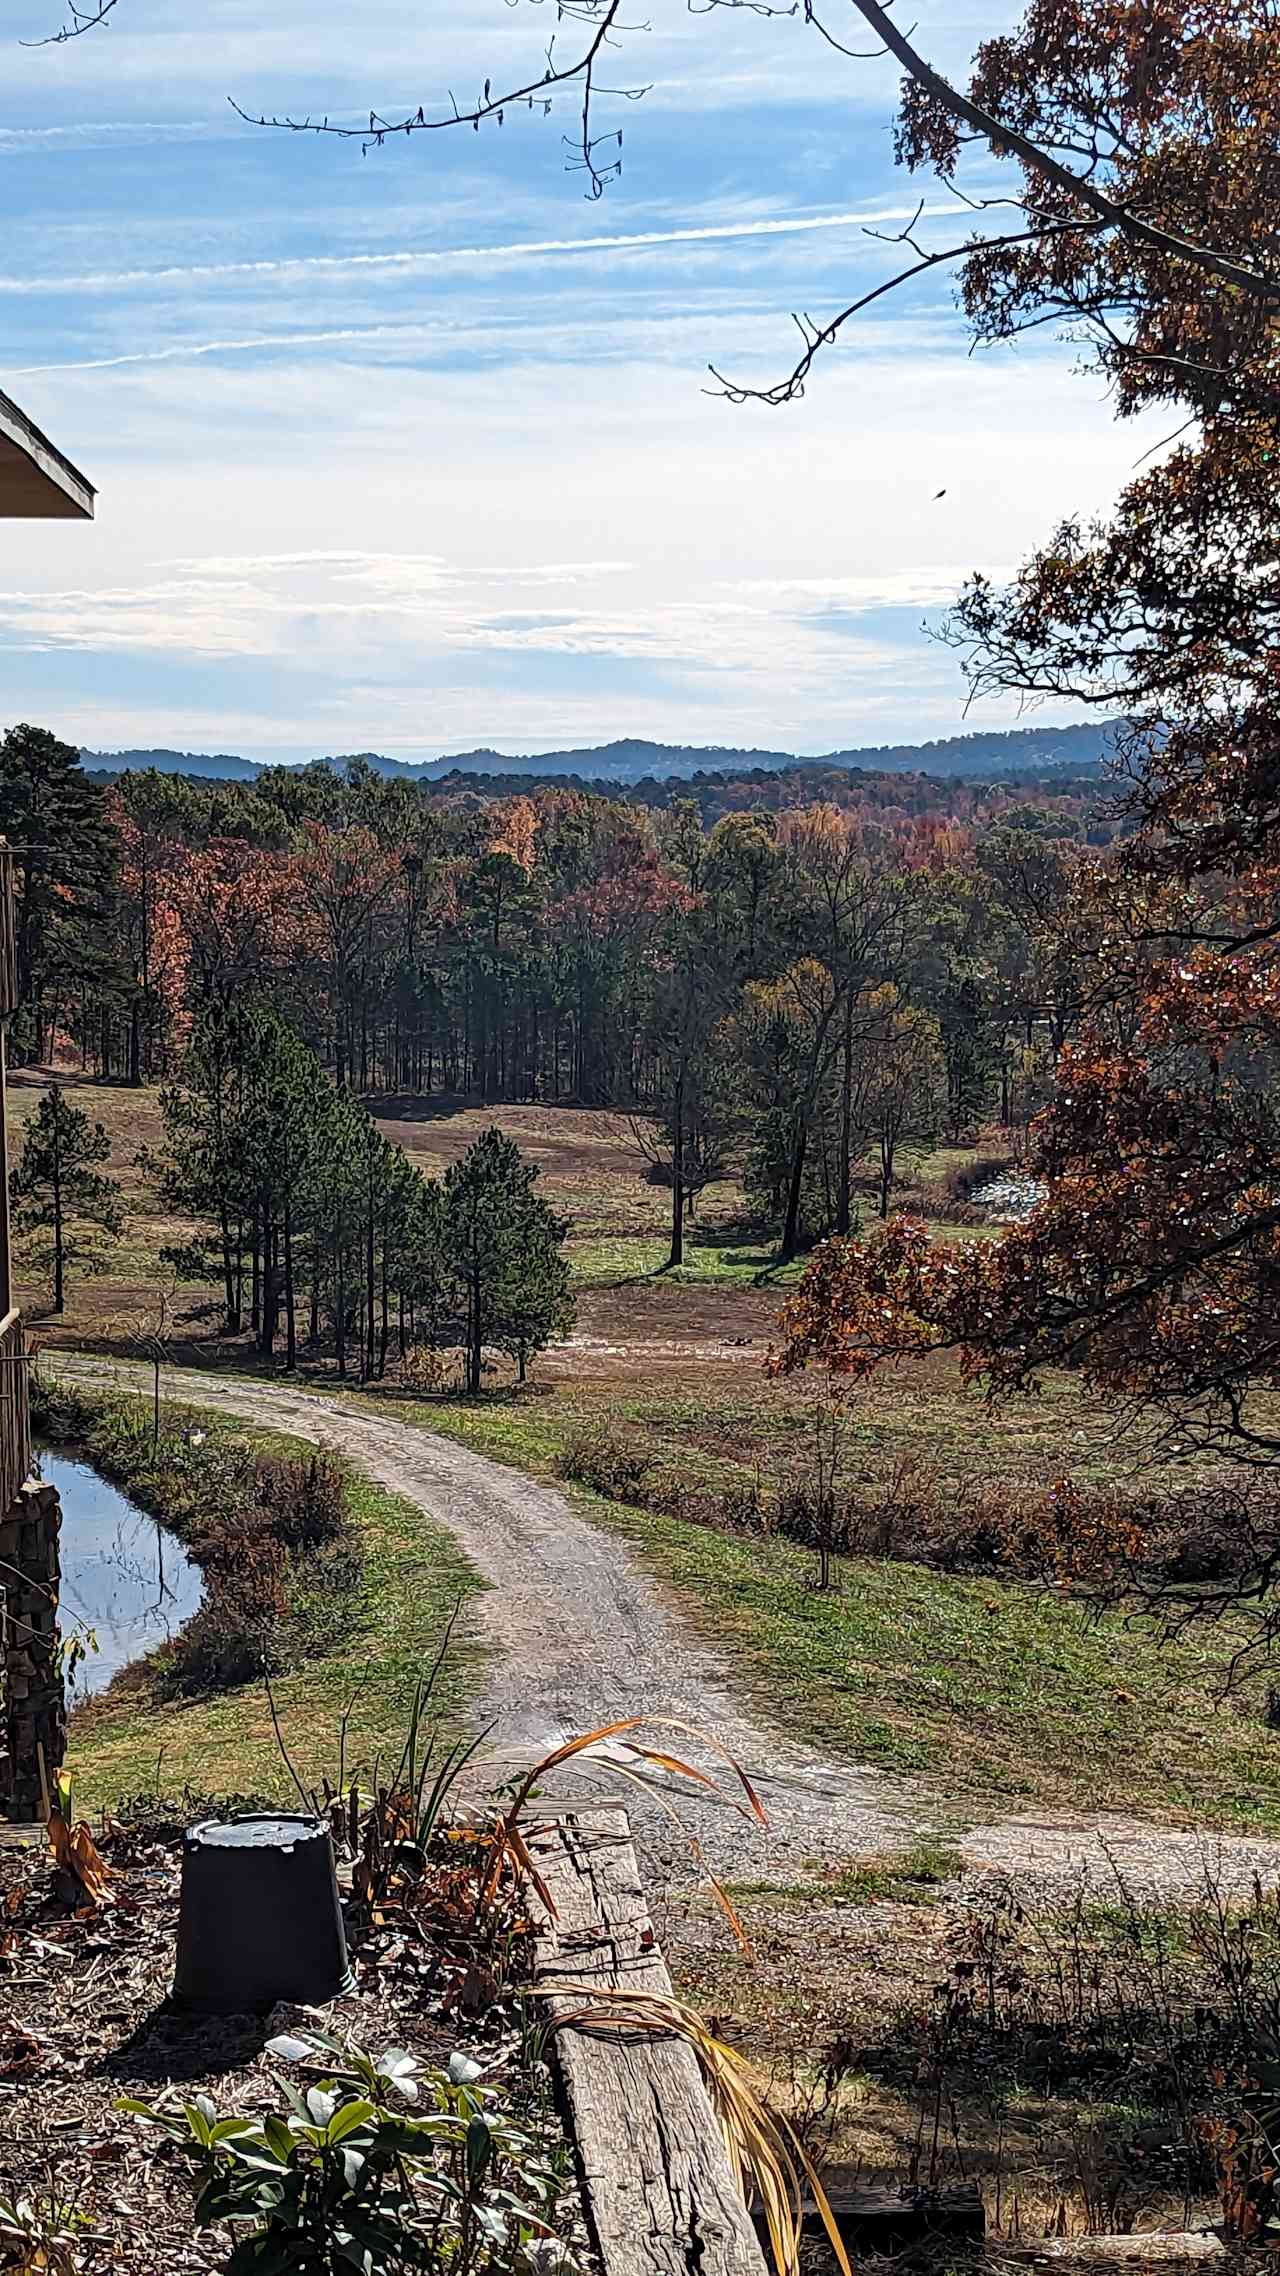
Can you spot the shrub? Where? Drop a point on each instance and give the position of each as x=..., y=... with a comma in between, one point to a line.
x=819, y=1517
x=272, y=1533
x=1150, y=2028
x=968, y=1178
x=610, y=1464
x=304, y=1501
x=59, y=1411
x=280, y=1565
x=424, y=1369
x=377, y=2164
x=744, y=1507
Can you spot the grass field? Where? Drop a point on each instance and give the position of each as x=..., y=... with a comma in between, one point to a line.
x=129, y=1741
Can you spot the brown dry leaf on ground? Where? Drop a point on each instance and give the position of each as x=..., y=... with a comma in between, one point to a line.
x=75, y=1854
x=22, y=2054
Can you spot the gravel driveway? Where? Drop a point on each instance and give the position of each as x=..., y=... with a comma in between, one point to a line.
x=578, y=1633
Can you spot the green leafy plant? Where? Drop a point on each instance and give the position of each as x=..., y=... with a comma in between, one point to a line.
x=379, y=2165
x=41, y=2231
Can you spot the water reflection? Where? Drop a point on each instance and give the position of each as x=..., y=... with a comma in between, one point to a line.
x=122, y=1575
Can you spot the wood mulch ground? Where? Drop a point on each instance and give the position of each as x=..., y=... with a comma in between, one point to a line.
x=85, y=2018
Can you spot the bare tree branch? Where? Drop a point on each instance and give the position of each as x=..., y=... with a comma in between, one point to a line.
x=599, y=156
x=819, y=336
x=534, y=92
x=79, y=20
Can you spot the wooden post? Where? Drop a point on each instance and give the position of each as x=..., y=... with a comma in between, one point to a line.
x=34, y=1722
x=6, y=1256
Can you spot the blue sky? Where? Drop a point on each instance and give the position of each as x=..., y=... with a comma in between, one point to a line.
x=412, y=451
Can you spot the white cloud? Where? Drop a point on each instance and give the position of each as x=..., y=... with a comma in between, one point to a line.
x=366, y=479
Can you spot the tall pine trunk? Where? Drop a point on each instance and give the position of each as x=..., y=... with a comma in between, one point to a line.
x=230, y=1274
x=791, y=1227
x=370, y=1286
x=59, y=1246
x=677, y=1175
x=270, y=1298
x=475, y=1345
x=290, y=1319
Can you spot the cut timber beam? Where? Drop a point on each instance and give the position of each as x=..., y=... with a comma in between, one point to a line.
x=659, y=2190
x=37, y=484
x=887, y=2222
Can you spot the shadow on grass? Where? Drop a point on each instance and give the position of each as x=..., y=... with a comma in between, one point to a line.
x=443, y=1106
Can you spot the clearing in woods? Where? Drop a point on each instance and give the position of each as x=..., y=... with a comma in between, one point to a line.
x=991, y=1690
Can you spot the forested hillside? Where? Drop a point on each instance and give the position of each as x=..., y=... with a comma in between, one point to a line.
x=796, y=990
x=1021, y=750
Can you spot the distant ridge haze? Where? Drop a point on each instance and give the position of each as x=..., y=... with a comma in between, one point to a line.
x=1021, y=750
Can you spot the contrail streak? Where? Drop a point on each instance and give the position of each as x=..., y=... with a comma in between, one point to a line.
x=402, y=262
x=187, y=348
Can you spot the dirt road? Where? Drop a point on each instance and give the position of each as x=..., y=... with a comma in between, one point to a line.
x=578, y=1634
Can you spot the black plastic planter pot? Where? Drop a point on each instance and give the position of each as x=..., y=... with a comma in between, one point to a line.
x=259, y=1919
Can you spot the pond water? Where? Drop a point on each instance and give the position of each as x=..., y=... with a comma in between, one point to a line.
x=123, y=1576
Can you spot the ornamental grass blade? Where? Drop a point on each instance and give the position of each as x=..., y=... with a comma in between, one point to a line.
x=520, y=1853
x=693, y=1730
x=506, y=1833
x=720, y=1893
x=767, y=2158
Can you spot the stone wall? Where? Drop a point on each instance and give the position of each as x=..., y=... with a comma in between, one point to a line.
x=32, y=1701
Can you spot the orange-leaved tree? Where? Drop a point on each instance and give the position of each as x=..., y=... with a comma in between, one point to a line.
x=1152, y=1263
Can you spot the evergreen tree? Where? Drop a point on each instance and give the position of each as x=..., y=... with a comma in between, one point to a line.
x=339, y=1217
x=201, y=1167
x=65, y=856
x=57, y=1190
x=970, y=1048
x=426, y=1285
x=504, y=1249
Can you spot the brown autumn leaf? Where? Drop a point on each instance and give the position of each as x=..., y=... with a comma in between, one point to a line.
x=75, y=1854
x=21, y=2055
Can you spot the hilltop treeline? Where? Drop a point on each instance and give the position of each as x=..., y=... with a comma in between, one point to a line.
x=806, y=988
x=993, y=755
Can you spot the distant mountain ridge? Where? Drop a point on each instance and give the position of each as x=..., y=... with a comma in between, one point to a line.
x=1018, y=750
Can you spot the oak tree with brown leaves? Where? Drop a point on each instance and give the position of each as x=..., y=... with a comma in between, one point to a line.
x=1152, y=1265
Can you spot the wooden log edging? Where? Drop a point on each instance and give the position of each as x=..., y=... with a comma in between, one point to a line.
x=657, y=2182
x=1142, y=2250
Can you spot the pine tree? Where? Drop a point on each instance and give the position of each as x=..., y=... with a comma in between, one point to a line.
x=65, y=856
x=56, y=1189
x=505, y=1250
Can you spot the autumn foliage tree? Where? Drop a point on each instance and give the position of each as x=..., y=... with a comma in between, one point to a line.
x=1153, y=1263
